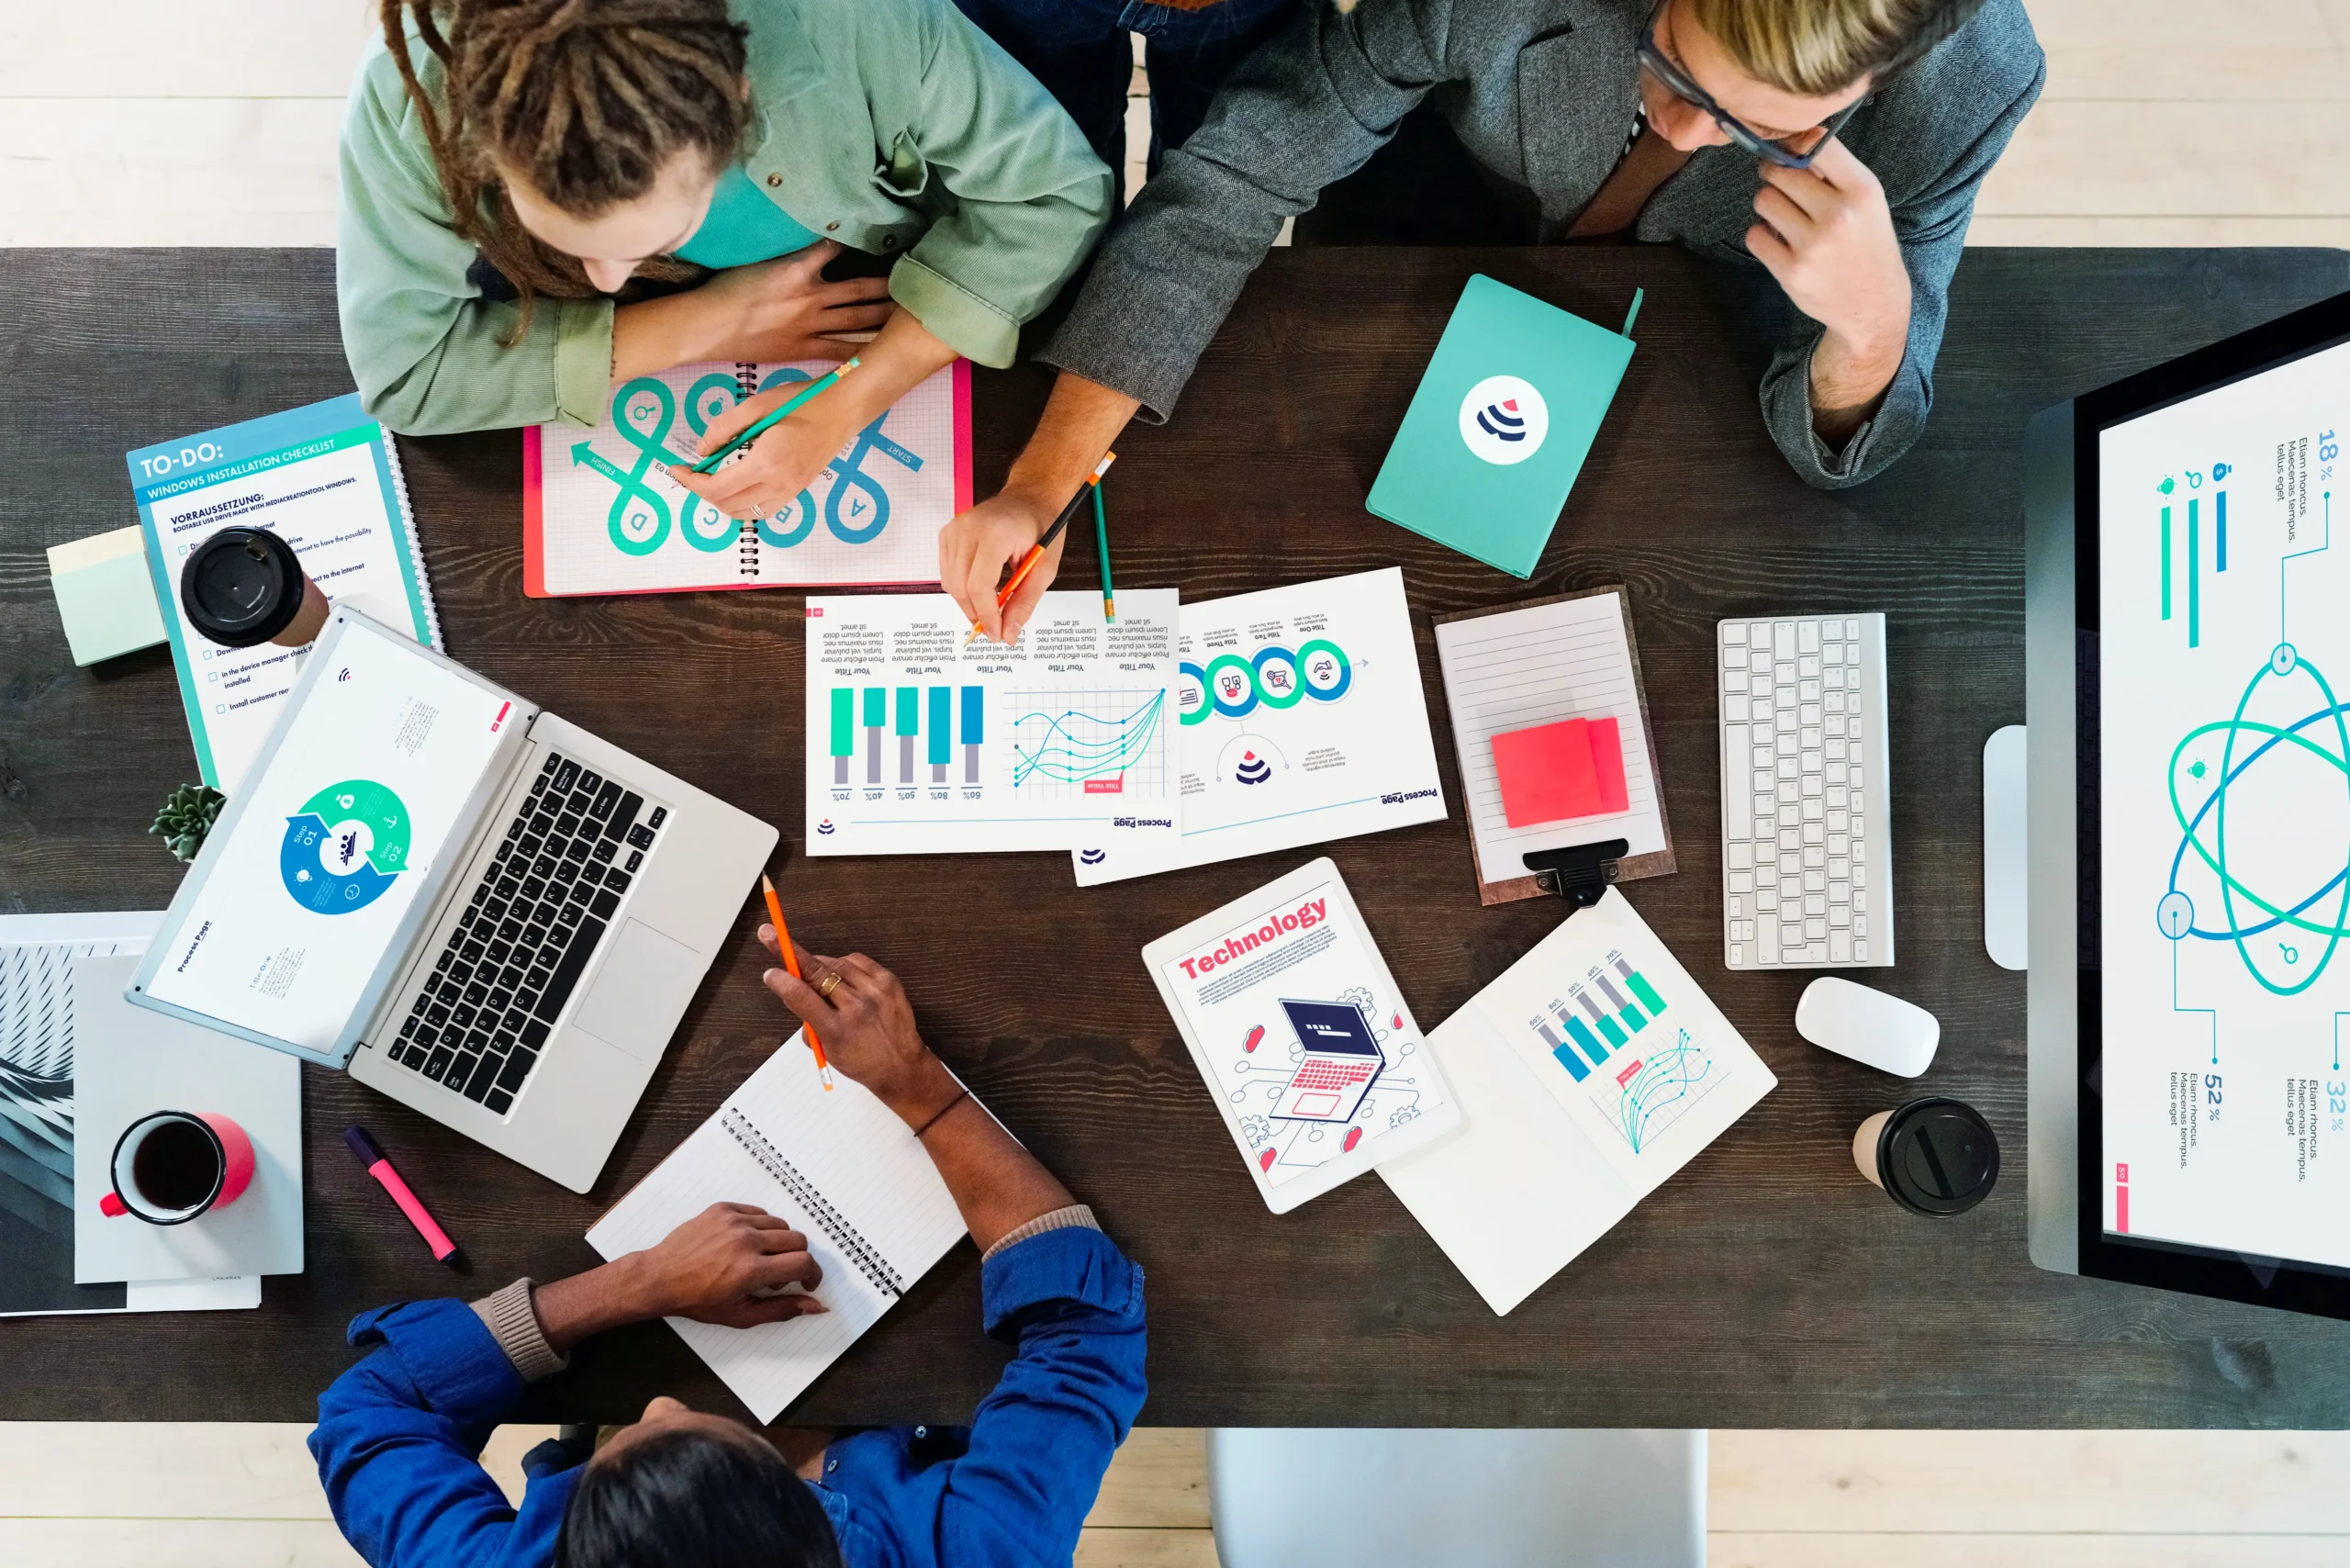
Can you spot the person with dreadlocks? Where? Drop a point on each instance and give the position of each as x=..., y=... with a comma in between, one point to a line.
x=542, y=200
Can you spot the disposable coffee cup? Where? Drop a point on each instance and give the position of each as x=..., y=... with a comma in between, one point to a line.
x=243, y=587
x=1935, y=1156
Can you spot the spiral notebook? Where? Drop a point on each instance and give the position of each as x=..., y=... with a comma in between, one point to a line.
x=601, y=515
x=844, y=1170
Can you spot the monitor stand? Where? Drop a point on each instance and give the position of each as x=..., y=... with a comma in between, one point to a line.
x=2004, y=861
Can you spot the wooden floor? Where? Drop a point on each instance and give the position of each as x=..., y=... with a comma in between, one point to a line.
x=246, y=1496
x=212, y=122
x=2165, y=122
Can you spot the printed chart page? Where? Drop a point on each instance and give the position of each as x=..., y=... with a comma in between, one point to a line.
x=1299, y=1030
x=2224, y=796
x=916, y=739
x=1611, y=1026
x=1301, y=720
x=1537, y=665
x=334, y=842
x=323, y=479
x=603, y=515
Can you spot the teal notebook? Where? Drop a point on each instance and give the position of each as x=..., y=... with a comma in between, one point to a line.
x=1501, y=424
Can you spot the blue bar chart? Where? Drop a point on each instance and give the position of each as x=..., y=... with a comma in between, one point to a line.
x=1598, y=1016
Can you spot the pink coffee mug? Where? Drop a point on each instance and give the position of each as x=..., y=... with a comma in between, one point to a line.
x=171, y=1166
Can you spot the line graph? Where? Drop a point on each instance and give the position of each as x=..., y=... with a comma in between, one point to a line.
x=1088, y=742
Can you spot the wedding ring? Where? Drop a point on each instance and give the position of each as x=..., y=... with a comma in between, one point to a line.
x=830, y=983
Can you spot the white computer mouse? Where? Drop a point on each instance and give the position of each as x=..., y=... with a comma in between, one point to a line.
x=1881, y=1031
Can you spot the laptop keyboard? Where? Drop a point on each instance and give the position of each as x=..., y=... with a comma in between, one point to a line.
x=527, y=934
x=1330, y=1075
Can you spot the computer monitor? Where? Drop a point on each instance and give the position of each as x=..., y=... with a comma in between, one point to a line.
x=2188, y=672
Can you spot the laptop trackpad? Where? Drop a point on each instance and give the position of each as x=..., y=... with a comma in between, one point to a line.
x=641, y=991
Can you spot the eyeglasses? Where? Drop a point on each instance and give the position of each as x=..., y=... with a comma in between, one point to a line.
x=1676, y=81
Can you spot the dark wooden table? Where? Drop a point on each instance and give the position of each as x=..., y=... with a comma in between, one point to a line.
x=1767, y=1285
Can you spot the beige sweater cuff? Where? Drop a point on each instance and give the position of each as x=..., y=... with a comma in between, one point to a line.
x=1075, y=1217
x=513, y=1322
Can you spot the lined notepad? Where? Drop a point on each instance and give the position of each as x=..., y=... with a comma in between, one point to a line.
x=844, y=1170
x=1540, y=664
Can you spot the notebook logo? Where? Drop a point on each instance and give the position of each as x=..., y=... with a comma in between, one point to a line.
x=1504, y=419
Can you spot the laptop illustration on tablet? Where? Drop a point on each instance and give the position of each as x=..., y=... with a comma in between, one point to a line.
x=1341, y=1062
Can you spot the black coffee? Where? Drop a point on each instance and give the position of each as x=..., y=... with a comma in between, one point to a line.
x=176, y=1167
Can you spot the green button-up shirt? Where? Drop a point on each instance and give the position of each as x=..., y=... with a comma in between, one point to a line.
x=893, y=126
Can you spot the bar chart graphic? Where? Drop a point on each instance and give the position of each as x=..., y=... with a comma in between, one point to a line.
x=1600, y=1032
x=2183, y=568
x=908, y=714
x=1091, y=743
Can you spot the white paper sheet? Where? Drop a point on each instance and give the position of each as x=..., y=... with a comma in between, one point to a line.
x=919, y=745
x=1302, y=720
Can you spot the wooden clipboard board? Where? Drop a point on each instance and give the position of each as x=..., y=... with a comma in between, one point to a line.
x=1630, y=867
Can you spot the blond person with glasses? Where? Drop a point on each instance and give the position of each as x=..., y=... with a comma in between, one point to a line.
x=1837, y=143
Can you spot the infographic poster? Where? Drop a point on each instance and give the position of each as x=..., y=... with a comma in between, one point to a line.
x=922, y=742
x=2224, y=663
x=1300, y=719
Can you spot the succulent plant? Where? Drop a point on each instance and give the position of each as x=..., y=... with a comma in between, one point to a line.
x=186, y=817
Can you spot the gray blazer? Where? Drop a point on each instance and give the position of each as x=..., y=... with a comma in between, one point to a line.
x=1542, y=93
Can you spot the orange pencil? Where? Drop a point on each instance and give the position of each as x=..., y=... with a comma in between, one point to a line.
x=1036, y=550
x=792, y=962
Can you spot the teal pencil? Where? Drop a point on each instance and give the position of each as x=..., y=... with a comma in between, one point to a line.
x=1101, y=548
x=806, y=395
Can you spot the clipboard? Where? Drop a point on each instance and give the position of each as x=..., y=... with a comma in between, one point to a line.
x=1578, y=868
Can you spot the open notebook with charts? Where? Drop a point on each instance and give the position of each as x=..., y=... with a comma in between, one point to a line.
x=844, y=1170
x=923, y=743
x=1588, y=1074
x=601, y=515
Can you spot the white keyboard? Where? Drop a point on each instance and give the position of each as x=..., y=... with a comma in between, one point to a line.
x=1807, y=840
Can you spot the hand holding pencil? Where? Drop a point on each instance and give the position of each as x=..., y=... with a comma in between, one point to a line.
x=868, y=1027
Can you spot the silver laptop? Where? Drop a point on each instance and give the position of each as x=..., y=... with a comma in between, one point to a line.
x=474, y=906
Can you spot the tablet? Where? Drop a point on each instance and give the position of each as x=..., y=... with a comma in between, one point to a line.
x=1301, y=1036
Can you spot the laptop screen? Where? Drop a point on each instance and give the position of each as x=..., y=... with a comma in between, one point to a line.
x=1331, y=1028
x=340, y=829
x=2224, y=804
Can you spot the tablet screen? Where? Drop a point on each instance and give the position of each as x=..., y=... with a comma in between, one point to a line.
x=2223, y=724
x=337, y=835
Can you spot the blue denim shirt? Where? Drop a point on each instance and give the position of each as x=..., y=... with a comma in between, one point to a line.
x=399, y=1436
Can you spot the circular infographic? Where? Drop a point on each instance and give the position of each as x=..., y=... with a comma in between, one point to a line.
x=344, y=847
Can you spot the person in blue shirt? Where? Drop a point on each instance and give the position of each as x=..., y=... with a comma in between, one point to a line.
x=399, y=1435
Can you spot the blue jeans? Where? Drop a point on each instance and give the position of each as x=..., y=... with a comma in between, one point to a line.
x=1078, y=49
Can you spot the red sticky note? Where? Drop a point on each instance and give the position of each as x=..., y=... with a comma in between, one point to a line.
x=1559, y=772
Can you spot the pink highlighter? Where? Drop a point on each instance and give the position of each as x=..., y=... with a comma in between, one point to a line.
x=443, y=1249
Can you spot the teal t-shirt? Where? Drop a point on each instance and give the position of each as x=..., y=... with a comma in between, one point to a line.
x=743, y=226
